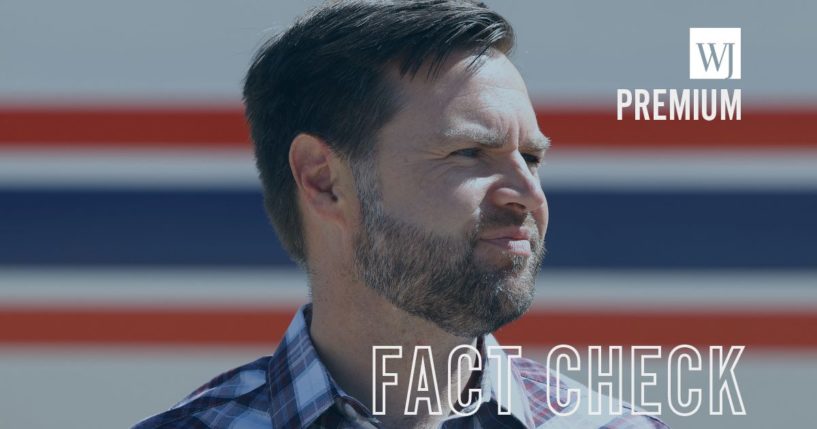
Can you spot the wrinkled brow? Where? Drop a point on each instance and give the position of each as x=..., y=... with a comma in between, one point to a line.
x=491, y=139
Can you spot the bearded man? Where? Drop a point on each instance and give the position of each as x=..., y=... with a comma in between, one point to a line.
x=399, y=154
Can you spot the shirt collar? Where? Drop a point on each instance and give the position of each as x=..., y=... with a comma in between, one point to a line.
x=302, y=389
x=495, y=372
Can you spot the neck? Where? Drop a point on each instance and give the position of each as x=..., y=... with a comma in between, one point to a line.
x=348, y=320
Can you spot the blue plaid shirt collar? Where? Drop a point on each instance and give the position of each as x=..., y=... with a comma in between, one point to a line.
x=302, y=389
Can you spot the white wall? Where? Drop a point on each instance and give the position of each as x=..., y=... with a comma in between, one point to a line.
x=568, y=50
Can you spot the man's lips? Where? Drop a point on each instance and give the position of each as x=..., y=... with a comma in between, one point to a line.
x=517, y=247
x=515, y=240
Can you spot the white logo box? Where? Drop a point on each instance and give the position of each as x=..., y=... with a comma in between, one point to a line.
x=714, y=53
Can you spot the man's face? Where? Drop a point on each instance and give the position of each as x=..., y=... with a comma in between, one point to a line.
x=452, y=214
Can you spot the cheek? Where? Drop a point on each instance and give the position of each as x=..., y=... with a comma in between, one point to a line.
x=440, y=200
x=450, y=207
x=457, y=205
x=467, y=197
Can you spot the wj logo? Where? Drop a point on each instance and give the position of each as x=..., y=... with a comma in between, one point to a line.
x=714, y=53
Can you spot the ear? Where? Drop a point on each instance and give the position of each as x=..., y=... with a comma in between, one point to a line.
x=315, y=170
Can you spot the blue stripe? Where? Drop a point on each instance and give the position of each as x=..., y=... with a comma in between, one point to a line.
x=599, y=229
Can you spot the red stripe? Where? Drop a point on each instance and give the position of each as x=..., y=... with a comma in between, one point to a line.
x=106, y=126
x=224, y=327
x=784, y=329
x=142, y=326
x=794, y=127
x=779, y=128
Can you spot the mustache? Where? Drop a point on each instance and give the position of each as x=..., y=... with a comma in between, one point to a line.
x=496, y=219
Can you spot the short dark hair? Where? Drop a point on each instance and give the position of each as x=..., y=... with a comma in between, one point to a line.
x=326, y=76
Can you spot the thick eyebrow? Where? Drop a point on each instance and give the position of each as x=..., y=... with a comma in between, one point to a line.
x=539, y=142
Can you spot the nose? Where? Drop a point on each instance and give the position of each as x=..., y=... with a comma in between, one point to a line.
x=519, y=188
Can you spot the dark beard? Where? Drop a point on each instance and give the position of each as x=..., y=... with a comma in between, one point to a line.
x=437, y=278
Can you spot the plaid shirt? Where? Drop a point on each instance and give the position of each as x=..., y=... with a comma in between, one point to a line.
x=293, y=389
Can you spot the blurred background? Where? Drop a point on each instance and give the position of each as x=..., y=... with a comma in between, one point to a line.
x=136, y=261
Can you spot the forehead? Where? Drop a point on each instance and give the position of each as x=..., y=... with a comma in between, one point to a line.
x=489, y=97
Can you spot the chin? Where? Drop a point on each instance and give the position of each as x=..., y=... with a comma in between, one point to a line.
x=513, y=299
x=517, y=296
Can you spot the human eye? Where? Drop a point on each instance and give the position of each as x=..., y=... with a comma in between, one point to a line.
x=532, y=159
x=470, y=152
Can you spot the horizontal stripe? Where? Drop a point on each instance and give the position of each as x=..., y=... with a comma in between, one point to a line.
x=588, y=229
x=196, y=168
x=260, y=288
x=666, y=170
x=115, y=125
x=224, y=326
x=776, y=128
x=754, y=329
x=159, y=126
x=192, y=168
